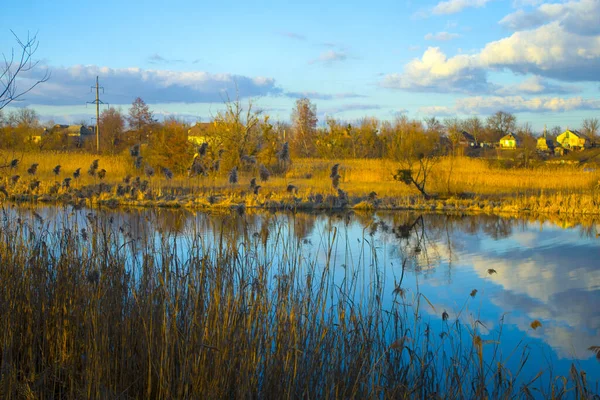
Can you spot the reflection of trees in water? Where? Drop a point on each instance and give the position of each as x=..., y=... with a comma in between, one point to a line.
x=497, y=227
x=303, y=225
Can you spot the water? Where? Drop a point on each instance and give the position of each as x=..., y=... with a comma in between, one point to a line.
x=522, y=270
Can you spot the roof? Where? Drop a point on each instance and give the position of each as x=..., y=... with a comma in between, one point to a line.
x=199, y=129
x=577, y=133
x=468, y=137
x=510, y=136
x=77, y=128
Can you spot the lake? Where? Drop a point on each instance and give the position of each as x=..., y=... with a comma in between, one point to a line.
x=528, y=288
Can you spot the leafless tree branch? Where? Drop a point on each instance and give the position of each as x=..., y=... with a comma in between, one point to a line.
x=18, y=63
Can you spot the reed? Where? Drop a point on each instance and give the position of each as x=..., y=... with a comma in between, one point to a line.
x=461, y=182
x=95, y=309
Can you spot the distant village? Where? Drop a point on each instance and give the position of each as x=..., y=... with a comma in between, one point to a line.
x=569, y=140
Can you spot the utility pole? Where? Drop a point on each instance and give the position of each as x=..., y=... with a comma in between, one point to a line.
x=97, y=102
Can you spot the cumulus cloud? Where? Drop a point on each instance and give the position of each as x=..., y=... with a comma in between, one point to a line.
x=537, y=85
x=330, y=56
x=71, y=85
x=549, y=51
x=565, y=47
x=491, y=104
x=442, y=36
x=514, y=104
x=455, y=6
x=579, y=17
x=434, y=72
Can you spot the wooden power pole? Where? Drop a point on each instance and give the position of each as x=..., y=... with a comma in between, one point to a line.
x=97, y=102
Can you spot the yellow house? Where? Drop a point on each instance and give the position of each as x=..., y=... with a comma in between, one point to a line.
x=508, y=142
x=197, y=133
x=545, y=144
x=571, y=139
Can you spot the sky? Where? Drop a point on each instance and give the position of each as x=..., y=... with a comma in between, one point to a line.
x=451, y=58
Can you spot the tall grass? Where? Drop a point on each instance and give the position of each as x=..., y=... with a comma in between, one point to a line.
x=93, y=308
x=358, y=177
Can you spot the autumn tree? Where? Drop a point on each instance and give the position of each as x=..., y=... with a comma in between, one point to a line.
x=528, y=142
x=22, y=124
x=418, y=154
x=112, y=125
x=236, y=132
x=453, y=130
x=366, y=140
x=168, y=147
x=590, y=127
x=140, y=118
x=304, y=125
x=501, y=124
x=19, y=61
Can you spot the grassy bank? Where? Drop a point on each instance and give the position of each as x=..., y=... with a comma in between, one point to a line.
x=91, y=311
x=459, y=184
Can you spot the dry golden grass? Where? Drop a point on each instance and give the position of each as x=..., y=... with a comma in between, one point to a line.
x=518, y=188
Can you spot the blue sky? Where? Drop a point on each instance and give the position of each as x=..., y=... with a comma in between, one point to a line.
x=448, y=58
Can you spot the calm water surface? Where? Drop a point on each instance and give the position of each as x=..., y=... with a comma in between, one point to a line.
x=523, y=270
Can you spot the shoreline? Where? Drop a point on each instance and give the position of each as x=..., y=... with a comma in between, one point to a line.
x=567, y=204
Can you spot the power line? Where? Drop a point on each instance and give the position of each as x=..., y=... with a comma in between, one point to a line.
x=97, y=102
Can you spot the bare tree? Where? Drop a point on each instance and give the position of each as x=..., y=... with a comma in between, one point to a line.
x=590, y=128
x=18, y=62
x=140, y=118
x=112, y=125
x=304, y=122
x=474, y=126
x=420, y=152
x=501, y=124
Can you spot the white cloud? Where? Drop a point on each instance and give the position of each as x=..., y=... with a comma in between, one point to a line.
x=438, y=111
x=490, y=104
x=548, y=51
x=71, y=85
x=537, y=85
x=580, y=17
x=455, y=6
x=330, y=56
x=441, y=36
x=435, y=72
x=565, y=47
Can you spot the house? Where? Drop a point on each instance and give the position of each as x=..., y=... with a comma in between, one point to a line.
x=197, y=133
x=466, y=139
x=37, y=135
x=508, y=142
x=572, y=139
x=544, y=144
x=79, y=131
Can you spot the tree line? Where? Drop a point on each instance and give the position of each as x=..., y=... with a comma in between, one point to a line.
x=245, y=133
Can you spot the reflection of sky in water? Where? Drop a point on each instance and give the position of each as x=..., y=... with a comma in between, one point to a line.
x=543, y=271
